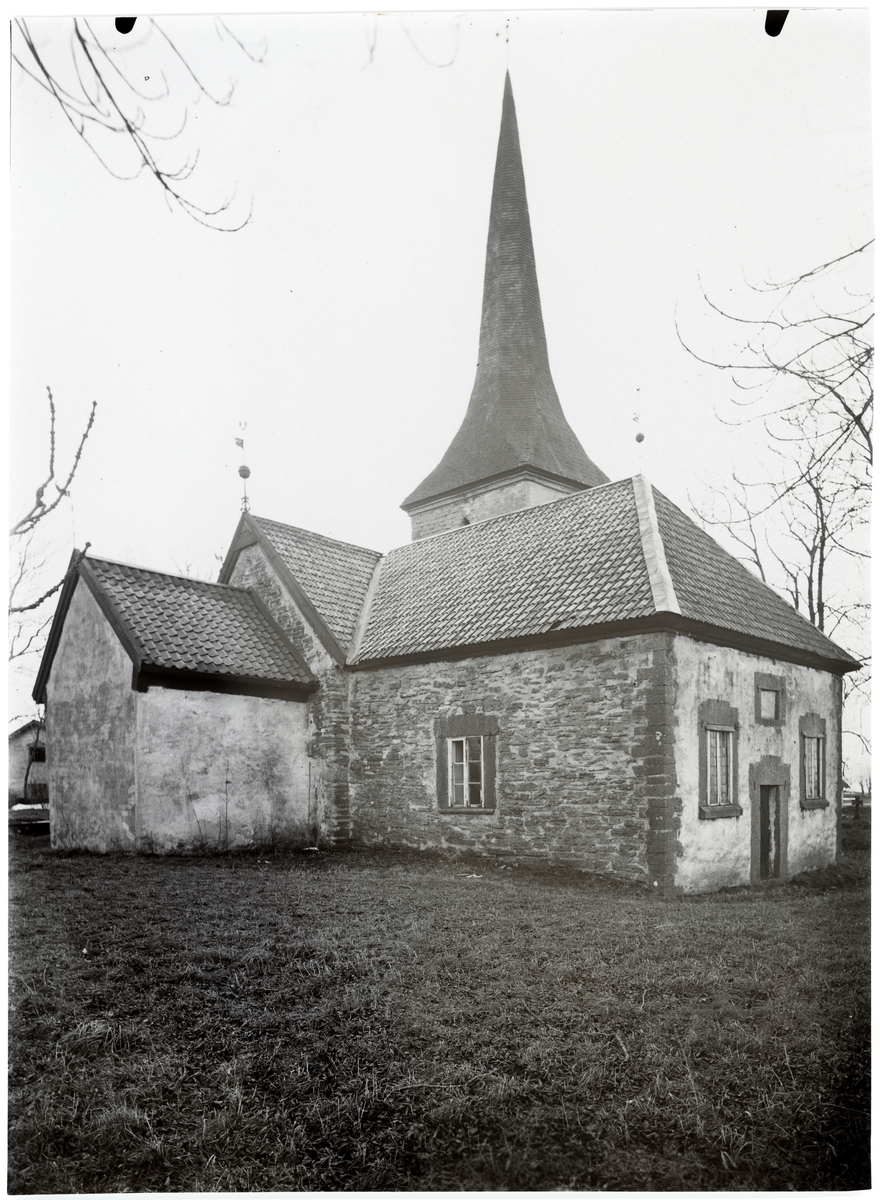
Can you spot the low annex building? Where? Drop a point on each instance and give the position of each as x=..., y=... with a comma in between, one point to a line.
x=556, y=666
x=179, y=715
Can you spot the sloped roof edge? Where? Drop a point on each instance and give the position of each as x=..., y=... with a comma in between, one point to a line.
x=366, y=608
x=250, y=531
x=652, y=546
x=21, y=729
x=80, y=567
x=70, y=581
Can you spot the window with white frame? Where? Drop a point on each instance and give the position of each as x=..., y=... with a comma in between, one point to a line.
x=466, y=772
x=466, y=753
x=718, y=766
x=719, y=754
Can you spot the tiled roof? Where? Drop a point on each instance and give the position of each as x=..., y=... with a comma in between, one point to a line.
x=712, y=586
x=570, y=564
x=575, y=562
x=334, y=575
x=514, y=419
x=189, y=625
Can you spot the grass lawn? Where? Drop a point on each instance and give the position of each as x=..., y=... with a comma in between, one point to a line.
x=384, y=1020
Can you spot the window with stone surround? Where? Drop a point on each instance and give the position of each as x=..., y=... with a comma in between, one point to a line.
x=718, y=760
x=466, y=777
x=769, y=699
x=812, y=764
x=466, y=763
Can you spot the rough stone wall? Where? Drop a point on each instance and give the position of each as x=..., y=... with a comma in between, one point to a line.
x=480, y=505
x=655, y=763
x=327, y=708
x=721, y=853
x=573, y=780
x=90, y=734
x=219, y=771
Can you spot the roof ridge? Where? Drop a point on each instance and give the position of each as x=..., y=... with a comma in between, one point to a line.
x=118, y=562
x=662, y=588
x=313, y=533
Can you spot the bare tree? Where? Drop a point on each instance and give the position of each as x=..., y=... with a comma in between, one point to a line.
x=798, y=515
x=809, y=370
x=102, y=96
x=29, y=590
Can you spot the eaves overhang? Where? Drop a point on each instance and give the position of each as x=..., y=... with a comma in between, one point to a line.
x=147, y=676
x=662, y=622
x=144, y=671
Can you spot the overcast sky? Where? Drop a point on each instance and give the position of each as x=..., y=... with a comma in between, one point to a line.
x=665, y=151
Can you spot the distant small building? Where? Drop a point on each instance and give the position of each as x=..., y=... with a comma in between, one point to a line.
x=28, y=780
x=558, y=666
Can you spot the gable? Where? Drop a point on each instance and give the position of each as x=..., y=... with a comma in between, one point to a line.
x=334, y=575
x=89, y=656
x=183, y=632
x=327, y=579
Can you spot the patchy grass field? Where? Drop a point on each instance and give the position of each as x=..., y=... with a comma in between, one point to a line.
x=381, y=1020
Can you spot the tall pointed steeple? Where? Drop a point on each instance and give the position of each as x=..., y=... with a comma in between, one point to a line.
x=514, y=447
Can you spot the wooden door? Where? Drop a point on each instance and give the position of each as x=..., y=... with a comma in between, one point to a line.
x=769, y=832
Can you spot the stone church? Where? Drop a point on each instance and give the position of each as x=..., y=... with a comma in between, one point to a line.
x=558, y=666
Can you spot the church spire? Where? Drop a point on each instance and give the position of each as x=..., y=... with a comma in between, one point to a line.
x=514, y=427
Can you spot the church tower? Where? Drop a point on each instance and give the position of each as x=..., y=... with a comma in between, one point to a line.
x=515, y=448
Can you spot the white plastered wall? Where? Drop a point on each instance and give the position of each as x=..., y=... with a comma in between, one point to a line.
x=719, y=853
x=217, y=771
x=90, y=731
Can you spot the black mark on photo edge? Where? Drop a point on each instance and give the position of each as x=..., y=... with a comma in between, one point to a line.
x=774, y=21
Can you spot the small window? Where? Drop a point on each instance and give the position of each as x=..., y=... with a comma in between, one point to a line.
x=719, y=774
x=466, y=772
x=466, y=750
x=720, y=756
x=769, y=699
x=814, y=768
x=37, y=754
x=812, y=772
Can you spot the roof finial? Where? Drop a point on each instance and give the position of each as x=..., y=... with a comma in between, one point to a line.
x=244, y=472
x=640, y=437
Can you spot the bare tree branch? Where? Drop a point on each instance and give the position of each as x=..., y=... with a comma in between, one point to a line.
x=25, y=634
x=106, y=101
x=23, y=608
x=800, y=518
x=41, y=507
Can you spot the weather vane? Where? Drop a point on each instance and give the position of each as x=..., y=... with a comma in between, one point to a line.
x=244, y=472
